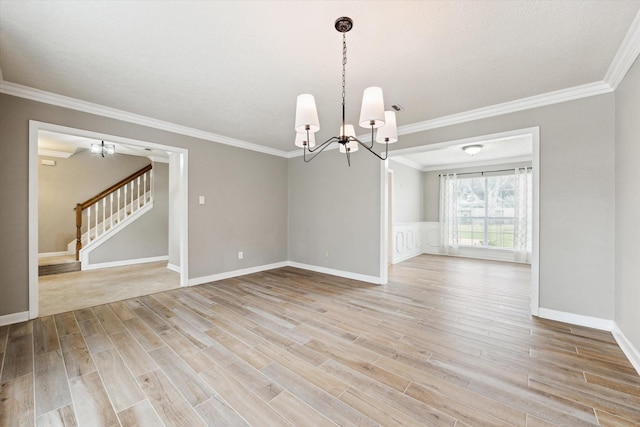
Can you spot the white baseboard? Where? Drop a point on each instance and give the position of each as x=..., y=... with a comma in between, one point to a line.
x=628, y=349
x=229, y=274
x=52, y=254
x=577, y=319
x=174, y=267
x=12, y=318
x=406, y=256
x=123, y=263
x=346, y=274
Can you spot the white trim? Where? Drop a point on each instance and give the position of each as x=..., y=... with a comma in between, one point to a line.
x=534, y=132
x=34, y=128
x=625, y=56
x=124, y=262
x=229, y=274
x=576, y=319
x=173, y=267
x=535, y=222
x=100, y=110
x=346, y=274
x=54, y=153
x=542, y=100
x=12, y=318
x=627, y=348
x=158, y=159
x=384, y=223
x=519, y=159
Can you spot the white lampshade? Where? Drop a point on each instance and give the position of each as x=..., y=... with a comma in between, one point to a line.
x=348, y=131
x=306, y=114
x=372, y=108
x=389, y=130
x=472, y=149
x=302, y=136
x=353, y=145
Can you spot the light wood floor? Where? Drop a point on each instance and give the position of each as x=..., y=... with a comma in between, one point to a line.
x=448, y=342
x=63, y=292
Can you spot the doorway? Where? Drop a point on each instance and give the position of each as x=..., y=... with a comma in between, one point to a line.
x=534, y=158
x=178, y=181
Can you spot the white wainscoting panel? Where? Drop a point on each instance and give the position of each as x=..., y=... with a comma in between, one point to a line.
x=414, y=238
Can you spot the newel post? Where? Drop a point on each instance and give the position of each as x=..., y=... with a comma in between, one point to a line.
x=78, y=230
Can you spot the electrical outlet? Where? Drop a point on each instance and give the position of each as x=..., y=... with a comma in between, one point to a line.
x=326, y=254
x=201, y=200
x=240, y=255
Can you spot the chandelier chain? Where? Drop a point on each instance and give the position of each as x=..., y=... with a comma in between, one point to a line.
x=344, y=63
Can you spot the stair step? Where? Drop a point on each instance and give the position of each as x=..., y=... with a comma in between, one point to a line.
x=65, y=267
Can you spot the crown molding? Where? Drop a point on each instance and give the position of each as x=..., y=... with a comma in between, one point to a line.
x=472, y=164
x=100, y=110
x=549, y=98
x=626, y=55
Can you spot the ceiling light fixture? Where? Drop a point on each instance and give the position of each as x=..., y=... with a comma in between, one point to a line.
x=472, y=150
x=103, y=149
x=372, y=115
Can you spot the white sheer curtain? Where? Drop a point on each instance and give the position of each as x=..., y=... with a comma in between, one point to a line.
x=449, y=213
x=523, y=221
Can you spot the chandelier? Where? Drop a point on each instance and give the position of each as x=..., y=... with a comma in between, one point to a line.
x=103, y=149
x=372, y=115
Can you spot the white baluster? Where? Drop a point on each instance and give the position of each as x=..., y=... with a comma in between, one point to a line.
x=152, y=184
x=132, y=196
x=118, y=210
x=96, y=205
x=124, y=206
x=144, y=190
x=88, y=224
x=138, y=201
x=104, y=215
x=111, y=209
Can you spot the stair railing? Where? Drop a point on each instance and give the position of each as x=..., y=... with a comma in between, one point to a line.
x=113, y=205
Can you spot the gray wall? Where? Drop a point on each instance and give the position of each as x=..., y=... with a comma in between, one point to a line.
x=72, y=181
x=431, y=196
x=576, y=197
x=408, y=194
x=628, y=205
x=335, y=208
x=432, y=185
x=246, y=197
x=146, y=237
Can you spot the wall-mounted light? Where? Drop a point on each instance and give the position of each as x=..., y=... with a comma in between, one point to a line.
x=472, y=150
x=103, y=149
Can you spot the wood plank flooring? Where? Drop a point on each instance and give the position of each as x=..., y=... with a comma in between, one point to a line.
x=448, y=342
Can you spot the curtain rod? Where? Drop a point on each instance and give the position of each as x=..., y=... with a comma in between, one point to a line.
x=482, y=173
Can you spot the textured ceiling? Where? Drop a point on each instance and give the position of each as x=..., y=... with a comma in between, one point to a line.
x=235, y=68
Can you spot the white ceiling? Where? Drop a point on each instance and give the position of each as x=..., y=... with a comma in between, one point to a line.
x=234, y=68
x=494, y=151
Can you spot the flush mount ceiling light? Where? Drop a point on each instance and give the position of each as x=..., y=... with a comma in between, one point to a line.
x=102, y=149
x=472, y=150
x=372, y=115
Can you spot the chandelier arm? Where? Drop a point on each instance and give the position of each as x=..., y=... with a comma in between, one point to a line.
x=319, y=149
x=386, y=150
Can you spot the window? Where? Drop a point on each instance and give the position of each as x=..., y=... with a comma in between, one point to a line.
x=486, y=211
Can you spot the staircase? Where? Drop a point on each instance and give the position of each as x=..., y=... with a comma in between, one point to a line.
x=101, y=217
